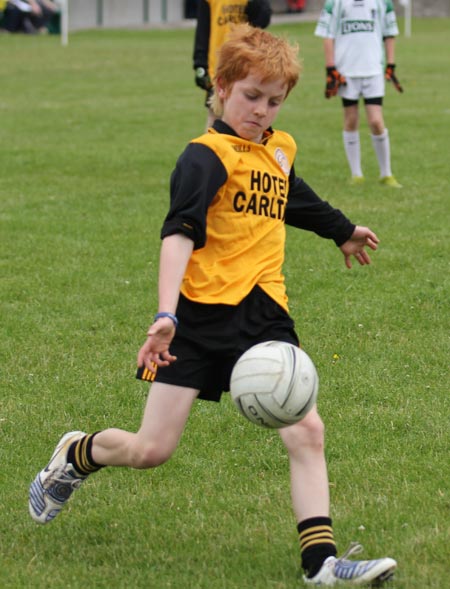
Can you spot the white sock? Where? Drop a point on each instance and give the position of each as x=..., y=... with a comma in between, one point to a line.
x=382, y=148
x=353, y=151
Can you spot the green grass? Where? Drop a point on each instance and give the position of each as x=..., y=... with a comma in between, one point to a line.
x=88, y=137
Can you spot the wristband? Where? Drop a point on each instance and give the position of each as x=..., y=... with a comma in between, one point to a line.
x=169, y=315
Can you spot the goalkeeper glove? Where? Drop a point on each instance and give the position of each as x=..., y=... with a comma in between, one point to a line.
x=390, y=76
x=202, y=78
x=334, y=80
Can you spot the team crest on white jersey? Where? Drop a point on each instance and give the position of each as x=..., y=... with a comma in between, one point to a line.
x=282, y=161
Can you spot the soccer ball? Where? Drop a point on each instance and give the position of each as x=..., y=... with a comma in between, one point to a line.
x=274, y=384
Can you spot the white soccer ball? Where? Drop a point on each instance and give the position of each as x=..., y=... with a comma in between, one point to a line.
x=274, y=384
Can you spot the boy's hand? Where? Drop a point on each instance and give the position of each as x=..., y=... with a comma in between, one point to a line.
x=156, y=348
x=202, y=78
x=390, y=76
x=334, y=80
x=361, y=237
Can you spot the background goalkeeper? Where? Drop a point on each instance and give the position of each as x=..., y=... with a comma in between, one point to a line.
x=359, y=37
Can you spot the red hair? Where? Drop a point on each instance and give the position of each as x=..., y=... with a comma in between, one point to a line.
x=248, y=49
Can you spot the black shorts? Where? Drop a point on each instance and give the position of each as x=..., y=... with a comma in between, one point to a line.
x=378, y=100
x=210, y=338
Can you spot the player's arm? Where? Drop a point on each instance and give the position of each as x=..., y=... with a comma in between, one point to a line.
x=327, y=28
x=328, y=50
x=306, y=210
x=176, y=251
x=334, y=78
x=201, y=46
x=197, y=177
x=390, y=75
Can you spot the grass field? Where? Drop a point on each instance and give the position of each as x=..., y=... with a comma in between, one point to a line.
x=88, y=137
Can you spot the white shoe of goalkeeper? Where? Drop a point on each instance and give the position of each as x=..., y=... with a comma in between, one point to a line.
x=354, y=572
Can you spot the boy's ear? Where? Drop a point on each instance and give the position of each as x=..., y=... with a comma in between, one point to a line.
x=220, y=89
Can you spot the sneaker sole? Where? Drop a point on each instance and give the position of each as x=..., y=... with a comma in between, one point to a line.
x=384, y=577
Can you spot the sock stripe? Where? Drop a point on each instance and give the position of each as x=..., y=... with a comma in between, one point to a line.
x=316, y=530
x=82, y=457
x=310, y=537
x=315, y=541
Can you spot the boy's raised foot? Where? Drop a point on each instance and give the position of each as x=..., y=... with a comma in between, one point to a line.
x=53, y=485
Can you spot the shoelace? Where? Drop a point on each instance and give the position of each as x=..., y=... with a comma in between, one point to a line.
x=353, y=549
x=61, y=476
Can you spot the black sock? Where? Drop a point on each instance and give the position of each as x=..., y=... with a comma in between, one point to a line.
x=316, y=543
x=80, y=456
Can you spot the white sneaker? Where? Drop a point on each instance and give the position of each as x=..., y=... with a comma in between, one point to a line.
x=53, y=486
x=354, y=572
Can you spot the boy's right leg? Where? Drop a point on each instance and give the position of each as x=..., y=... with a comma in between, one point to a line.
x=78, y=454
x=165, y=415
x=309, y=487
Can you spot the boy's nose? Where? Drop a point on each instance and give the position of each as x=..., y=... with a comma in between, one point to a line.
x=261, y=109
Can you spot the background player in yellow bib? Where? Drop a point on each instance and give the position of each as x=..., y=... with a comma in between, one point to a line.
x=214, y=21
x=221, y=291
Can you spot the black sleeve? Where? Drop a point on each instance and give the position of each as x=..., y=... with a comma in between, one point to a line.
x=197, y=177
x=202, y=31
x=306, y=210
x=259, y=13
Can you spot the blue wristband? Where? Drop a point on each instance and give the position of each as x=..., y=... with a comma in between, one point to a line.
x=170, y=315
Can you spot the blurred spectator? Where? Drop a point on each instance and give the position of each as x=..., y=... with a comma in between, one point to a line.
x=296, y=5
x=29, y=16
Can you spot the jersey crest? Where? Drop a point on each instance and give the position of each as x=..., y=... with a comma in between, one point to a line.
x=282, y=160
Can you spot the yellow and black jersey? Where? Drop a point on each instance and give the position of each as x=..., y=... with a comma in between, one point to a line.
x=214, y=20
x=232, y=197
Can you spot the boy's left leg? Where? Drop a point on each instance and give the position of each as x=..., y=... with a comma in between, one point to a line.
x=310, y=497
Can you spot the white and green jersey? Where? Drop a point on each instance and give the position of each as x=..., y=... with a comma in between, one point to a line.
x=358, y=28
